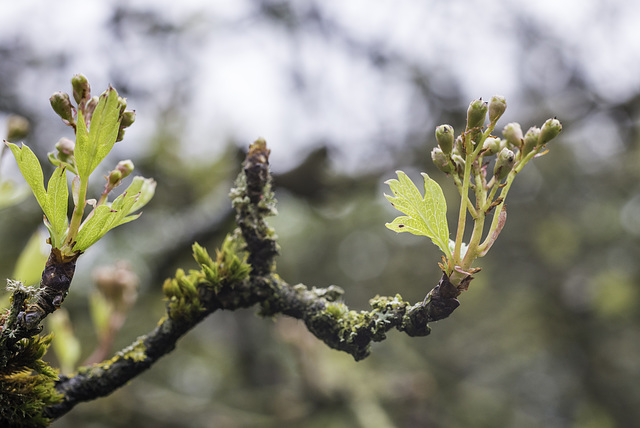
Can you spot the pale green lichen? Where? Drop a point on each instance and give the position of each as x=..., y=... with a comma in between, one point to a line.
x=135, y=352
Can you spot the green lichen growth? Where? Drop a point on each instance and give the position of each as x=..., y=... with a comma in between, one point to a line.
x=27, y=385
x=337, y=310
x=229, y=268
x=135, y=352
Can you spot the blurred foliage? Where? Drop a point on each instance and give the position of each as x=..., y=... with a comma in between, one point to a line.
x=547, y=335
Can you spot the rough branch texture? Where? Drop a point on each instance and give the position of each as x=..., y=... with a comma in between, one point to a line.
x=222, y=285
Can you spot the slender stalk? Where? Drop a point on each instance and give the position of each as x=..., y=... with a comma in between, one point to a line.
x=76, y=217
x=462, y=217
x=503, y=195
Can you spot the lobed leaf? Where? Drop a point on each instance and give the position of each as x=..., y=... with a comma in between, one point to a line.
x=94, y=146
x=106, y=217
x=31, y=171
x=425, y=215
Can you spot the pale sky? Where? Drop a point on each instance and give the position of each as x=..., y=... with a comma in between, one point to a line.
x=237, y=68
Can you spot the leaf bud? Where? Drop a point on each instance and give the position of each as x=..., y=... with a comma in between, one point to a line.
x=504, y=164
x=531, y=139
x=512, y=132
x=491, y=146
x=476, y=114
x=442, y=161
x=81, y=88
x=62, y=106
x=550, y=130
x=497, y=106
x=17, y=128
x=444, y=137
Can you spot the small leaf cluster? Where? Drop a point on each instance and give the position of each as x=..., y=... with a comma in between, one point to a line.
x=183, y=292
x=230, y=266
x=98, y=122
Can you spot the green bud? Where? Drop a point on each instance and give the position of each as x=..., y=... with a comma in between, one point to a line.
x=497, y=106
x=492, y=145
x=90, y=108
x=531, y=139
x=122, y=103
x=120, y=136
x=81, y=88
x=114, y=178
x=458, y=161
x=444, y=137
x=17, y=128
x=62, y=106
x=512, y=132
x=442, y=161
x=128, y=117
x=550, y=130
x=125, y=167
x=504, y=164
x=458, y=145
x=476, y=114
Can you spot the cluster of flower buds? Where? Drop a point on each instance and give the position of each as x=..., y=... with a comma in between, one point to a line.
x=451, y=153
x=61, y=104
x=115, y=177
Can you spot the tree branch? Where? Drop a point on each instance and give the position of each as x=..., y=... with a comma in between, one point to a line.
x=231, y=283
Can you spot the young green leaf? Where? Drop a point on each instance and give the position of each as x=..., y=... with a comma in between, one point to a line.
x=92, y=147
x=31, y=171
x=54, y=200
x=56, y=204
x=94, y=228
x=425, y=215
x=106, y=217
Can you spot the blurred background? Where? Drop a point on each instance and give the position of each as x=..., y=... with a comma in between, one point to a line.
x=345, y=93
